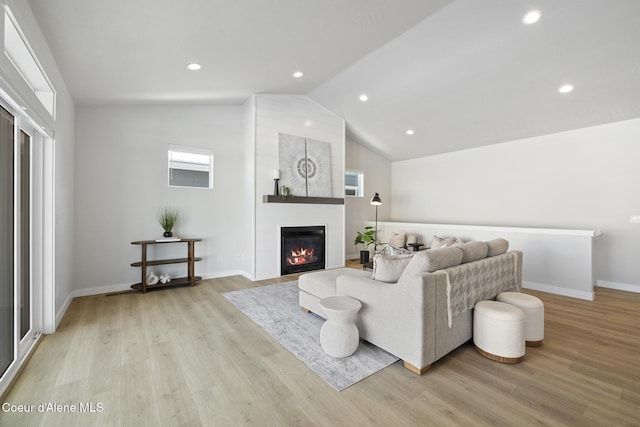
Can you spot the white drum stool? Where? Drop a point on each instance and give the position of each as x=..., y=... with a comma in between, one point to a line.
x=339, y=335
x=498, y=331
x=533, y=309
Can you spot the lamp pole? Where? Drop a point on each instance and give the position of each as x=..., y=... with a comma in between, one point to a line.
x=376, y=201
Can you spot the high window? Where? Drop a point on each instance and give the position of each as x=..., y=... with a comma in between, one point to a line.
x=190, y=167
x=353, y=184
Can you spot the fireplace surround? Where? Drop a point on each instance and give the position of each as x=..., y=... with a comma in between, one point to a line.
x=302, y=249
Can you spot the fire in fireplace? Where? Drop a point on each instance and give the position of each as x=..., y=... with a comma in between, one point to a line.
x=302, y=249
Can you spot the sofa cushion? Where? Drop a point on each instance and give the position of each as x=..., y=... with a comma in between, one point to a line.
x=322, y=283
x=473, y=251
x=398, y=240
x=389, y=268
x=432, y=260
x=442, y=242
x=497, y=247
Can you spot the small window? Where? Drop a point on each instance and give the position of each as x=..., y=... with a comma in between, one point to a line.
x=353, y=184
x=190, y=167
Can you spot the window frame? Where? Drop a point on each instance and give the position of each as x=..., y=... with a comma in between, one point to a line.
x=359, y=189
x=190, y=151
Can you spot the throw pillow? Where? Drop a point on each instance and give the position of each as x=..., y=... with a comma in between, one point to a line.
x=441, y=242
x=497, y=247
x=473, y=251
x=389, y=268
x=387, y=249
x=432, y=260
x=398, y=240
x=411, y=238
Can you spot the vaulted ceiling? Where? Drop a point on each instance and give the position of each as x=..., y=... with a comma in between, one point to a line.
x=458, y=73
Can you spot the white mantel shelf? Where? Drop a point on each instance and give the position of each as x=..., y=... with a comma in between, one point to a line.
x=300, y=199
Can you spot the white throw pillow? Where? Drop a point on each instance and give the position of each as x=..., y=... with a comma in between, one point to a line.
x=442, y=242
x=389, y=268
x=398, y=240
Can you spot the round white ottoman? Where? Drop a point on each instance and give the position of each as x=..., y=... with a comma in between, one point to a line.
x=533, y=309
x=339, y=335
x=498, y=331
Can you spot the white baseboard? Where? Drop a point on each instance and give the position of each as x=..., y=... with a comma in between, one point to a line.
x=589, y=296
x=63, y=309
x=619, y=286
x=352, y=256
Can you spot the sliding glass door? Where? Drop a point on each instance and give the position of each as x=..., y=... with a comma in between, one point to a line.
x=16, y=221
x=25, y=303
x=7, y=223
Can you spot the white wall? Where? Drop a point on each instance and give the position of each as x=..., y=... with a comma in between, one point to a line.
x=300, y=116
x=121, y=182
x=581, y=179
x=377, y=178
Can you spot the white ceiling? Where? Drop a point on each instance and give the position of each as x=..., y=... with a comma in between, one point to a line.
x=461, y=73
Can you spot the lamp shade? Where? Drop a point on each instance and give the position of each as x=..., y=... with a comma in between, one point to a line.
x=375, y=200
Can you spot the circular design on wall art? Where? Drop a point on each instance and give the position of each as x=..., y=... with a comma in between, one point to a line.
x=306, y=168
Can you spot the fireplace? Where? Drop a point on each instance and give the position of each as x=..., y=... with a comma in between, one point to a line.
x=301, y=249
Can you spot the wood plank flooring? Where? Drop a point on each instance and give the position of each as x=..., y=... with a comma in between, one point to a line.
x=187, y=357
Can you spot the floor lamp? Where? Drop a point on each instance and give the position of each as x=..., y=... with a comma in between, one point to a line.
x=376, y=201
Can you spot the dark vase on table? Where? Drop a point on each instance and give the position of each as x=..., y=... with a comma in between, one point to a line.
x=168, y=234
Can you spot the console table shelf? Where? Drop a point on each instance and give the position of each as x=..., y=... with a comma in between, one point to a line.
x=190, y=279
x=165, y=261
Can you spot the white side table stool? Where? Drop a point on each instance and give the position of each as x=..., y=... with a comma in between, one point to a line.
x=339, y=336
x=533, y=309
x=498, y=331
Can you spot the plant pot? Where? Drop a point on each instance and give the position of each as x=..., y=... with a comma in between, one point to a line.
x=168, y=234
x=364, y=257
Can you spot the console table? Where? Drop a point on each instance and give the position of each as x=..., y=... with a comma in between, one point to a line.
x=191, y=278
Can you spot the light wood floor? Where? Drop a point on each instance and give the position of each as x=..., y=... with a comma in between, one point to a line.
x=186, y=357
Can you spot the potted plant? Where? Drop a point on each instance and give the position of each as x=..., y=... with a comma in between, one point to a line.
x=167, y=217
x=366, y=238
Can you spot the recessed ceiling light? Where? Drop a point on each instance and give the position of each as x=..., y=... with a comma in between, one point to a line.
x=364, y=98
x=565, y=88
x=410, y=132
x=531, y=17
x=193, y=66
x=298, y=74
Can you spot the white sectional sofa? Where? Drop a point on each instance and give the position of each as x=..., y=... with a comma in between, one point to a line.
x=428, y=311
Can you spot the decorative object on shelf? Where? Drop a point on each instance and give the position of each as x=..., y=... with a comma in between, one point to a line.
x=305, y=165
x=165, y=278
x=376, y=201
x=276, y=181
x=285, y=192
x=152, y=279
x=167, y=217
x=365, y=238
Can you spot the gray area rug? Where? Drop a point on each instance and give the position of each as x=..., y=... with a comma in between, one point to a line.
x=275, y=309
